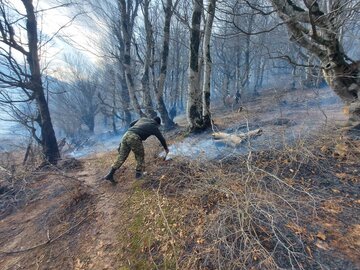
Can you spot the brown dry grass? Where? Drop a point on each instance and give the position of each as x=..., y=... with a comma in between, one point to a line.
x=295, y=207
x=42, y=213
x=279, y=208
x=265, y=210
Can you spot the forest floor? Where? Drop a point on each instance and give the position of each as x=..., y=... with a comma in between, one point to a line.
x=287, y=199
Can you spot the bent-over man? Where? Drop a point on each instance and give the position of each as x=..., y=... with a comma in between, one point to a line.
x=139, y=131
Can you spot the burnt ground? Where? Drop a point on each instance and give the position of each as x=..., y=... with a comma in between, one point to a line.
x=288, y=199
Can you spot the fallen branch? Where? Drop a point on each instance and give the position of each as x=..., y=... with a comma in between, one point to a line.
x=235, y=140
x=5, y=170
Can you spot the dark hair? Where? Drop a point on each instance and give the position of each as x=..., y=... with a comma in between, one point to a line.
x=157, y=120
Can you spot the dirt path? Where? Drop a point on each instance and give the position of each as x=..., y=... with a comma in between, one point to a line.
x=100, y=246
x=71, y=220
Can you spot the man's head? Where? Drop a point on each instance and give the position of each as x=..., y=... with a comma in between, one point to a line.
x=157, y=120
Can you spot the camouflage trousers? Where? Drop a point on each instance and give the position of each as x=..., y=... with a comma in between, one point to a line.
x=131, y=142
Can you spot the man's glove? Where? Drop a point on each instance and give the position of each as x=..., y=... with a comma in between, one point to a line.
x=118, y=149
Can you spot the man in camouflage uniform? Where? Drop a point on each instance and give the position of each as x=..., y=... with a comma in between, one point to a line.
x=139, y=131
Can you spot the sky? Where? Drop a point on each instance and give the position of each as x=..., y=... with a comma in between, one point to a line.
x=66, y=25
x=49, y=23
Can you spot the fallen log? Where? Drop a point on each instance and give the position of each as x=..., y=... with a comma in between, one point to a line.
x=235, y=140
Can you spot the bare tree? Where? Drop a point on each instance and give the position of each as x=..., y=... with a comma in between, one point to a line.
x=115, y=99
x=116, y=49
x=77, y=100
x=175, y=92
x=198, y=111
x=128, y=12
x=207, y=64
x=194, y=106
x=168, y=10
x=21, y=69
x=320, y=32
x=149, y=51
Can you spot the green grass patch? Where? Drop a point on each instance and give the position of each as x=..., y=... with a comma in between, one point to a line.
x=148, y=235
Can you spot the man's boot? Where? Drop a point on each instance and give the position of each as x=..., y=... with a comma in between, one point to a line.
x=138, y=174
x=110, y=175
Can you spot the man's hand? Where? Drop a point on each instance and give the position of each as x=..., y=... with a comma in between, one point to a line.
x=166, y=153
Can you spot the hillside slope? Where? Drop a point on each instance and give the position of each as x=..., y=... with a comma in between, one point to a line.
x=287, y=199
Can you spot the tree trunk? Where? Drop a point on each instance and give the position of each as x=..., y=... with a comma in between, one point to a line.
x=247, y=54
x=207, y=64
x=125, y=98
x=113, y=109
x=113, y=123
x=259, y=75
x=344, y=78
x=121, y=76
x=149, y=111
x=89, y=120
x=48, y=139
x=177, y=92
x=124, y=91
x=127, y=31
x=225, y=88
x=168, y=123
x=194, y=107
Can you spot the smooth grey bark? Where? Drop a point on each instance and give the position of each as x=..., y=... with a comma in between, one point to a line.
x=207, y=64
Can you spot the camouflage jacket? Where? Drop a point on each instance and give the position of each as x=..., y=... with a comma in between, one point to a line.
x=145, y=127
